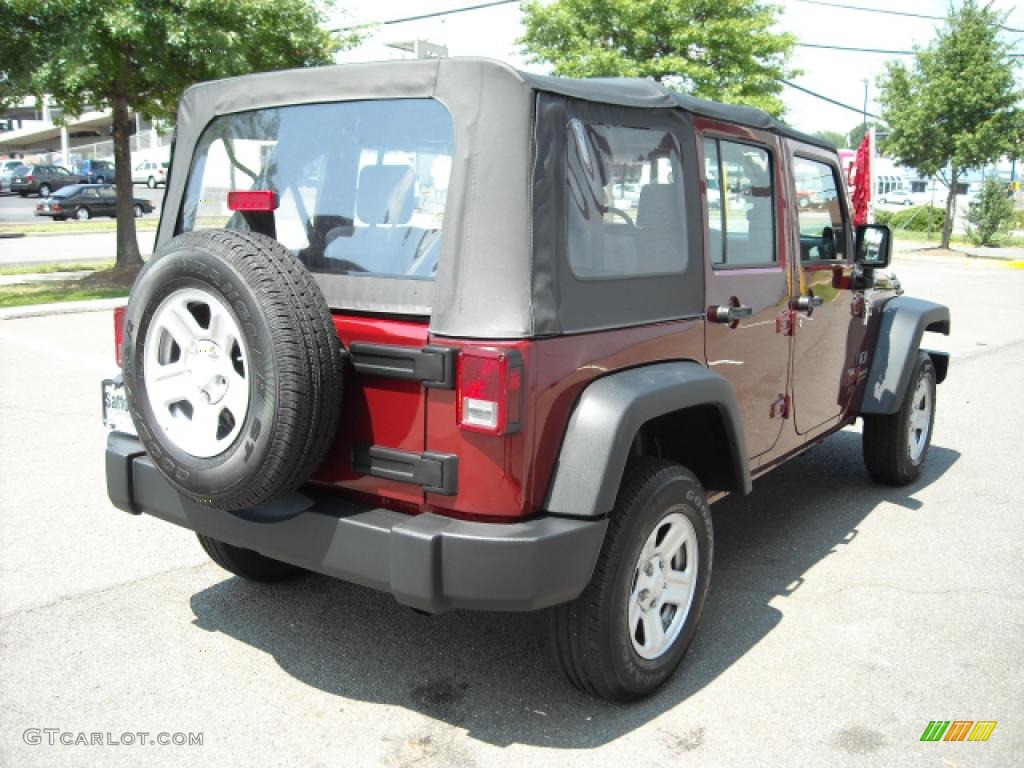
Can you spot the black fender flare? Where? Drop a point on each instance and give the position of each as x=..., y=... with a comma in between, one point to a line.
x=904, y=321
x=607, y=418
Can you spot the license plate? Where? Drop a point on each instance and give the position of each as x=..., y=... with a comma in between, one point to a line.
x=17, y=178
x=115, y=407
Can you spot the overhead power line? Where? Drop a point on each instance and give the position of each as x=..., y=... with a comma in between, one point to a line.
x=890, y=12
x=433, y=15
x=873, y=50
x=816, y=95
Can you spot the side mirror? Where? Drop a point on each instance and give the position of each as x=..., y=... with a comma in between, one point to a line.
x=874, y=246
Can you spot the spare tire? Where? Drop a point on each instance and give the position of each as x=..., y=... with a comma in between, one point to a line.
x=232, y=367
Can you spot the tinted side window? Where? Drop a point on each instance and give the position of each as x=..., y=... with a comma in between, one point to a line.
x=624, y=216
x=741, y=204
x=820, y=210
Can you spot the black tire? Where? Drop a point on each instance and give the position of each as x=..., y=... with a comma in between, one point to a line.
x=247, y=563
x=100, y=180
x=137, y=210
x=82, y=213
x=294, y=354
x=44, y=190
x=590, y=636
x=151, y=182
x=888, y=453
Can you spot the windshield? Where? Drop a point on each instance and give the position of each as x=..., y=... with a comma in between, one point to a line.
x=361, y=185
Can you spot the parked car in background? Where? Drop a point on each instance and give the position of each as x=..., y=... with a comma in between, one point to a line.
x=42, y=179
x=83, y=201
x=896, y=197
x=150, y=173
x=97, y=171
x=7, y=168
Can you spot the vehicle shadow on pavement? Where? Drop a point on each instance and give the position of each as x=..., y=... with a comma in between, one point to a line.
x=491, y=673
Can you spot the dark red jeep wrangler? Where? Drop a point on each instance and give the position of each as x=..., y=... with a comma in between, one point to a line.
x=485, y=339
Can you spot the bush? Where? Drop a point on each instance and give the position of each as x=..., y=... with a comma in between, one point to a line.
x=913, y=219
x=1018, y=219
x=990, y=215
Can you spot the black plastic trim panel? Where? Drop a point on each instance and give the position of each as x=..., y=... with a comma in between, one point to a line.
x=435, y=472
x=434, y=366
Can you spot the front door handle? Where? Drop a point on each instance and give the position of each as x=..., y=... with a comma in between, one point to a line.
x=806, y=303
x=728, y=314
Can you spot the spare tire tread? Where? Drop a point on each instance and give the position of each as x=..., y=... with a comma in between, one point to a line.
x=307, y=357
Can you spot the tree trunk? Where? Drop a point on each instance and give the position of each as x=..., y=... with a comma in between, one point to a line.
x=947, y=227
x=127, y=241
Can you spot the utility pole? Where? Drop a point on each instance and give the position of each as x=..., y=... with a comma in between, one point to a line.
x=864, y=114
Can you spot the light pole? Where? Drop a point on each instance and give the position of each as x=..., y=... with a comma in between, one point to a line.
x=865, y=112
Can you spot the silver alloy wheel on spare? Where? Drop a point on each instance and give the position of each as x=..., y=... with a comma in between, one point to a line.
x=919, y=422
x=663, y=585
x=196, y=372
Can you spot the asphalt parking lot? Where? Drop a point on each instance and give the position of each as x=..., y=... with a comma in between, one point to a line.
x=842, y=618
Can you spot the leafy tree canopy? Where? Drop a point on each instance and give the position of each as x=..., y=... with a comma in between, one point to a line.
x=140, y=55
x=724, y=50
x=834, y=137
x=958, y=104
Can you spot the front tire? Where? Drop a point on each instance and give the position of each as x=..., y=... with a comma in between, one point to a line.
x=625, y=635
x=896, y=445
x=246, y=563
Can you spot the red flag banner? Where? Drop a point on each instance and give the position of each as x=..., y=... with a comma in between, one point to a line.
x=862, y=181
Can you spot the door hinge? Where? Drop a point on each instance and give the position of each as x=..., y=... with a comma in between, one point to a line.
x=780, y=408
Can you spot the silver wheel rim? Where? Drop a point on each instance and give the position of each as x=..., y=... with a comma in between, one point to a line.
x=920, y=420
x=196, y=372
x=82, y=214
x=664, y=583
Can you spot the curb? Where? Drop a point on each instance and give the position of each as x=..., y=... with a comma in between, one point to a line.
x=61, y=308
x=11, y=235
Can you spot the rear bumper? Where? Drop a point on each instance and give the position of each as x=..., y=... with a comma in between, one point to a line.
x=426, y=561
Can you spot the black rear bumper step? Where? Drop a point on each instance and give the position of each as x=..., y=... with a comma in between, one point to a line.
x=434, y=366
x=427, y=561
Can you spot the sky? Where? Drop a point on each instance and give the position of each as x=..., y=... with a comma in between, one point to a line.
x=840, y=75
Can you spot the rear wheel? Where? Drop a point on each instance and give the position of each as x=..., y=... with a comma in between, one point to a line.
x=896, y=445
x=247, y=563
x=138, y=211
x=624, y=636
x=100, y=180
x=44, y=190
x=151, y=182
x=82, y=213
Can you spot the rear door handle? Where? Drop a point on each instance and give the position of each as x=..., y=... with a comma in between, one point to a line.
x=728, y=314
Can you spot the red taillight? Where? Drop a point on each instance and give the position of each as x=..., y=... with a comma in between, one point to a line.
x=489, y=397
x=118, y=333
x=55, y=208
x=29, y=179
x=255, y=200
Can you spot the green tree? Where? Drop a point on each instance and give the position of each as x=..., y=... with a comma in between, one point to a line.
x=833, y=137
x=990, y=215
x=957, y=107
x=140, y=55
x=725, y=50
x=857, y=132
